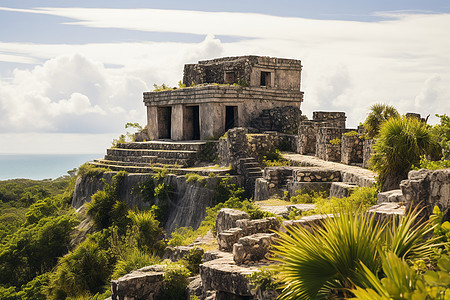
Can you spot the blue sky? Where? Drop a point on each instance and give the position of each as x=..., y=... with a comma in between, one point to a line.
x=72, y=73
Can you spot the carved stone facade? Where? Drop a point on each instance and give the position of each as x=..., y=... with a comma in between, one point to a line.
x=208, y=110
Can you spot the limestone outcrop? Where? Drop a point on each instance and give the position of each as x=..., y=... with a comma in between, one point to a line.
x=425, y=189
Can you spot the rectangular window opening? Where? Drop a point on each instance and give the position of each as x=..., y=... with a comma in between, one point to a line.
x=230, y=78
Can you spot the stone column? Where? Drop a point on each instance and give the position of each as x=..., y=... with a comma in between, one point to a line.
x=177, y=122
x=152, y=122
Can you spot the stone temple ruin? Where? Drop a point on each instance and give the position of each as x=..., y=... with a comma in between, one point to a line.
x=223, y=93
x=233, y=112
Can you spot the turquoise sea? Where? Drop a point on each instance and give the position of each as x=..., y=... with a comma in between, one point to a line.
x=41, y=166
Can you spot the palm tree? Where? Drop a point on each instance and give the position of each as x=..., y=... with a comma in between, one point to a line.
x=400, y=145
x=379, y=114
x=343, y=250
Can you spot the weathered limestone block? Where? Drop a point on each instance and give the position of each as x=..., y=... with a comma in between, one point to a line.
x=308, y=222
x=144, y=283
x=225, y=276
x=227, y=217
x=258, y=226
x=425, y=189
x=367, y=152
x=195, y=287
x=253, y=247
x=212, y=255
x=387, y=211
x=227, y=238
x=390, y=196
x=341, y=189
x=178, y=252
x=261, y=189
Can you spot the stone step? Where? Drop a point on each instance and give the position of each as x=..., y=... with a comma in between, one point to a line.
x=254, y=169
x=183, y=154
x=255, y=174
x=251, y=165
x=132, y=159
x=121, y=163
x=164, y=145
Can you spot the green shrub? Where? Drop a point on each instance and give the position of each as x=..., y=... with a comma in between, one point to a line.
x=308, y=197
x=315, y=264
x=89, y=170
x=183, y=236
x=351, y=133
x=160, y=174
x=442, y=134
x=146, y=189
x=87, y=268
x=401, y=144
x=175, y=282
x=432, y=165
x=192, y=260
x=275, y=159
x=36, y=289
x=336, y=141
x=194, y=177
x=264, y=279
x=8, y=293
x=361, y=198
x=105, y=208
x=147, y=228
x=133, y=260
x=379, y=113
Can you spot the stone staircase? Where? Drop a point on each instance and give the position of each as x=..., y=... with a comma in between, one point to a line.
x=251, y=170
x=143, y=157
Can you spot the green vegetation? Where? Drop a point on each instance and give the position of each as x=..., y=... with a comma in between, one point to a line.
x=351, y=133
x=128, y=136
x=227, y=195
x=400, y=146
x=275, y=159
x=360, y=198
x=194, y=177
x=442, y=134
x=336, y=141
x=338, y=256
x=379, y=113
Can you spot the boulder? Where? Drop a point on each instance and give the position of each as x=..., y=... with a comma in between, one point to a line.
x=390, y=196
x=144, y=283
x=253, y=247
x=425, y=189
x=227, y=217
x=227, y=238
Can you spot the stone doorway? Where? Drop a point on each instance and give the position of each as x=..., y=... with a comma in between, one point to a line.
x=231, y=114
x=164, y=122
x=191, y=122
x=265, y=79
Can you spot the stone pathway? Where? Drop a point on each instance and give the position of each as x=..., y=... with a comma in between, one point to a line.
x=353, y=174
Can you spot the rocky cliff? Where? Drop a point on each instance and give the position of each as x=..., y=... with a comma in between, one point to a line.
x=187, y=204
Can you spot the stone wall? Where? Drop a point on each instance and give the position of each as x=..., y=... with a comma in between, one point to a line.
x=326, y=150
x=307, y=132
x=238, y=143
x=367, y=152
x=282, y=73
x=309, y=129
x=425, y=189
x=282, y=119
x=330, y=118
x=351, y=149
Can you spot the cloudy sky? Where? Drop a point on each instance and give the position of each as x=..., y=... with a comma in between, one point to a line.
x=72, y=73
